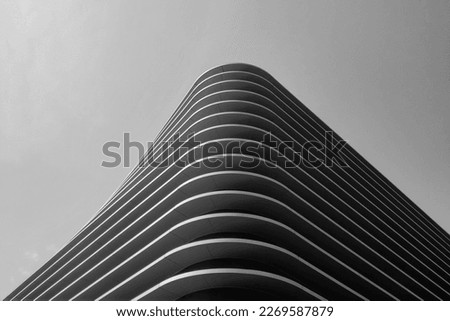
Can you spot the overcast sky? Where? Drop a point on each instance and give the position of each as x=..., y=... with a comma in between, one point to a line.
x=76, y=74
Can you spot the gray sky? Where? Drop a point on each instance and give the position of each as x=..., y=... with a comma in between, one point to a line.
x=76, y=74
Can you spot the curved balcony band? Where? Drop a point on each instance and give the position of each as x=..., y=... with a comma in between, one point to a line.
x=236, y=216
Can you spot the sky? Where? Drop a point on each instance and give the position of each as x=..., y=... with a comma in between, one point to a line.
x=77, y=74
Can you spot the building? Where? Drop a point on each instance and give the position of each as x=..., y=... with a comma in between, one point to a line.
x=250, y=216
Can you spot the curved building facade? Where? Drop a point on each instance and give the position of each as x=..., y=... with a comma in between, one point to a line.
x=245, y=196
